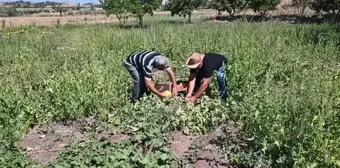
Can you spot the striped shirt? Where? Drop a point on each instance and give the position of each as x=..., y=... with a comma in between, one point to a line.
x=143, y=61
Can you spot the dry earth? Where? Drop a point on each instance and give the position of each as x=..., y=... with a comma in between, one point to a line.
x=204, y=151
x=50, y=19
x=44, y=143
x=53, y=20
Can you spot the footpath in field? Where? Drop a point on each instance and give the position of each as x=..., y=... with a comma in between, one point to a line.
x=43, y=144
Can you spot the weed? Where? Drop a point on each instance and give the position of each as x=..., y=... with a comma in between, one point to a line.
x=284, y=85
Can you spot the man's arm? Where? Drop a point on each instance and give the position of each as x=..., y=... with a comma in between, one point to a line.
x=173, y=79
x=203, y=87
x=192, y=79
x=149, y=85
x=207, y=74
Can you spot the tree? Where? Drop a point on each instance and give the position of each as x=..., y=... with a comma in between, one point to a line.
x=59, y=8
x=329, y=6
x=120, y=8
x=11, y=11
x=228, y=5
x=184, y=7
x=141, y=7
x=300, y=5
x=92, y=7
x=137, y=7
x=78, y=7
x=263, y=6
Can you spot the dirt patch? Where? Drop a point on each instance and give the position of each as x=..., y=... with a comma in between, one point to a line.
x=52, y=19
x=114, y=138
x=180, y=143
x=211, y=159
x=209, y=154
x=119, y=137
x=205, y=151
x=44, y=143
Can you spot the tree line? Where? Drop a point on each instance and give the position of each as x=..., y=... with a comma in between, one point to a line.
x=124, y=8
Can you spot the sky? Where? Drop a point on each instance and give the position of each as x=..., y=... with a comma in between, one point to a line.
x=73, y=1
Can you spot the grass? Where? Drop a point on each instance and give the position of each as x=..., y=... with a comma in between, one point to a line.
x=284, y=91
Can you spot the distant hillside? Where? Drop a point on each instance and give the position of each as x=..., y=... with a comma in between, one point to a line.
x=28, y=4
x=21, y=8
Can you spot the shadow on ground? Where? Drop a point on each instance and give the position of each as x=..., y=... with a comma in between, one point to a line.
x=173, y=22
x=145, y=26
x=294, y=19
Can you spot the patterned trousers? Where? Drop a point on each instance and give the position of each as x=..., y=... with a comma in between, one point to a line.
x=222, y=81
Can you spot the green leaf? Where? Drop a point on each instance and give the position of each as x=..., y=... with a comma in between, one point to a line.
x=186, y=130
x=164, y=156
x=256, y=114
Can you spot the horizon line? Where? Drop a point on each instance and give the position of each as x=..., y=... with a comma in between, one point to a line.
x=59, y=1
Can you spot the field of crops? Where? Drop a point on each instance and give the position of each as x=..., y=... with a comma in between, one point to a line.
x=283, y=109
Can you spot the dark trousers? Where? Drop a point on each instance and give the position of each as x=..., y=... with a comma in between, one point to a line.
x=139, y=87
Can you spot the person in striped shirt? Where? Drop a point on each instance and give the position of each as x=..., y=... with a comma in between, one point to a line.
x=140, y=65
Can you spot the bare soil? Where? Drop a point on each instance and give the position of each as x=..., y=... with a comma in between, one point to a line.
x=114, y=138
x=51, y=19
x=204, y=151
x=180, y=143
x=44, y=143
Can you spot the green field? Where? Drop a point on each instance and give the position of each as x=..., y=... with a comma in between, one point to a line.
x=284, y=84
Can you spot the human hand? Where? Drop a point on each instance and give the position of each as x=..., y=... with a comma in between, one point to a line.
x=164, y=94
x=174, y=91
x=191, y=99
